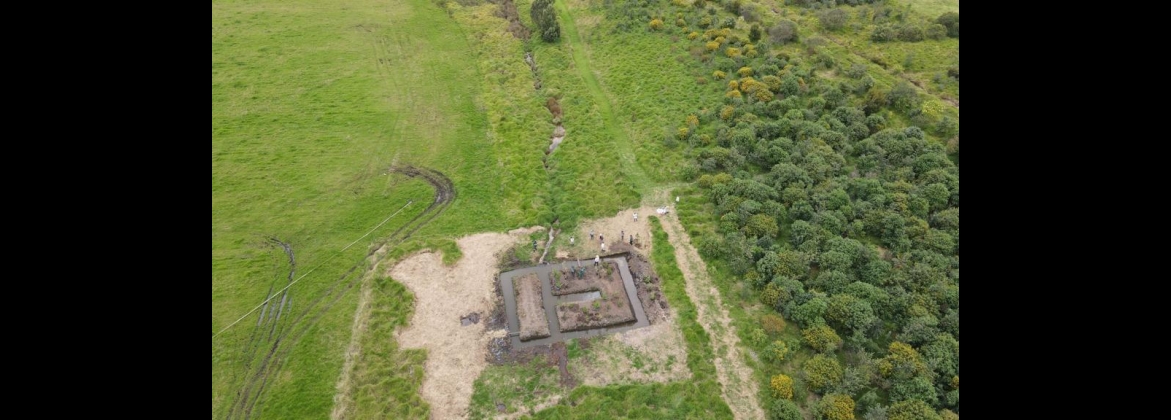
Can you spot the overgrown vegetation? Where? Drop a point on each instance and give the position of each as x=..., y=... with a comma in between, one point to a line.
x=386, y=379
x=833, y=199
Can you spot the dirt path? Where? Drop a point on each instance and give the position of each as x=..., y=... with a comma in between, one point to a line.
x=570, y=37
x=738, y=390
x=455, y=354
x=343, y=399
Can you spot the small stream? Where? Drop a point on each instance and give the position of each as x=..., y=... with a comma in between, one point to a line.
x=558, y=136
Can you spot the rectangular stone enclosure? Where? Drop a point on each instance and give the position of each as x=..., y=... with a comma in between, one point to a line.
x=560, y=301
x=609, y=306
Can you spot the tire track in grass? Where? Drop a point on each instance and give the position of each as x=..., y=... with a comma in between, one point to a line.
x=738, y=387
x=256, y=380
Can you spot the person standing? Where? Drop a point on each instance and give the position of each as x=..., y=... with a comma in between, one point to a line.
x=597, y=260
x=601, y=239
x=571, y=240
x=591, y=234
x=636, y=217
x=622, y=236
x=534, y=245
x=631, y=241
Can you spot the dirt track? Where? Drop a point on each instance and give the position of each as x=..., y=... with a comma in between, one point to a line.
x=739, y=390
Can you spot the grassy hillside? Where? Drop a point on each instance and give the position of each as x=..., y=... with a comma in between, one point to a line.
x=933, y=7
x=311, y=103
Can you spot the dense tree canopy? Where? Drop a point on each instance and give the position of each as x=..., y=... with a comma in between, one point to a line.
x=836, y=201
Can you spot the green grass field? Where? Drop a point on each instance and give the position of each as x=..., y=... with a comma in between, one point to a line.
x=934, y=7
x=311, y=104
x=647, y=79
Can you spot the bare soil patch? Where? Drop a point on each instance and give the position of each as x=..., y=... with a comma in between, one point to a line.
x=643, y=355
x=533, y=323
x=559, y=356
x=617, y=231
x=444, y=294
x=656, y=353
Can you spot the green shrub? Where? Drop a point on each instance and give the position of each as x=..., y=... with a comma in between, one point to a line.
x=911, y=33
x=546, y=20
x=833, y=19
x=777, y=351
x=936, y=31
x=822, y=372
x=884, y=33
x=784, y=31
x=781, y=386
x=951, y=21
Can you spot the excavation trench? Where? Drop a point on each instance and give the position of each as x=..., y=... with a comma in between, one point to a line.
x=550, y=304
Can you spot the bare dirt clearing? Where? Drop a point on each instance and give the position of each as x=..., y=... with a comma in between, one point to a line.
x=456, y=354
x=616, y=230
x=650, y=354
x=533, y=323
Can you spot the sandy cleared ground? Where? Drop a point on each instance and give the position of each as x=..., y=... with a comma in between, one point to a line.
x=659, y=347
x=455, y=354
x=533, y=322
x=615, y=229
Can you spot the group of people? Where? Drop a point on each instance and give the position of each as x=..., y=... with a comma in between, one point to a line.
x=622, y=234
x=602, y=239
